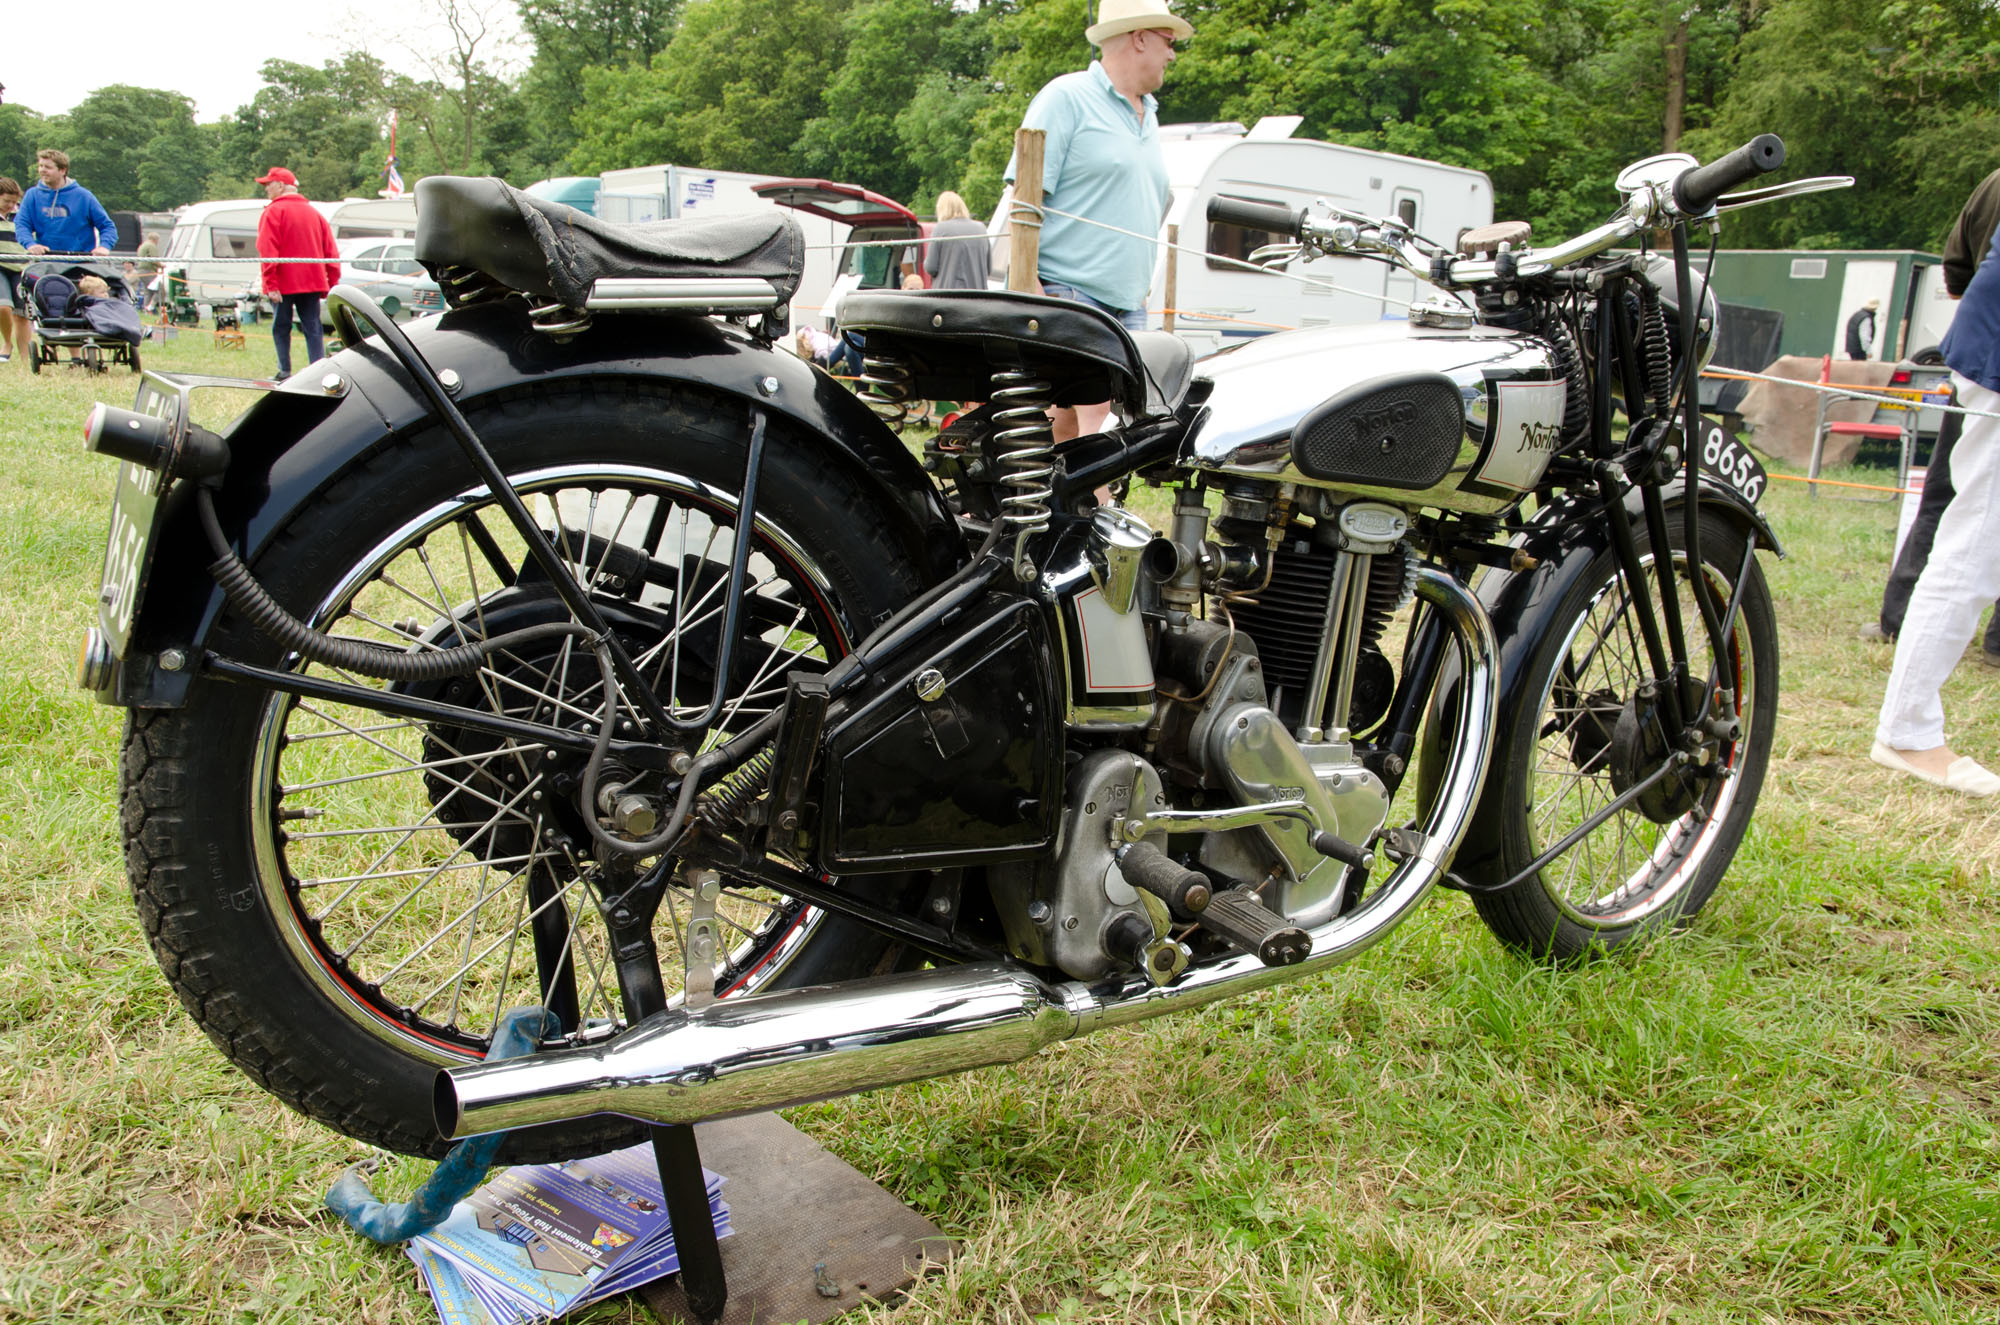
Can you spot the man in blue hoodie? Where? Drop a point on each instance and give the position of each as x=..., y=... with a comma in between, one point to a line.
x=59, y=215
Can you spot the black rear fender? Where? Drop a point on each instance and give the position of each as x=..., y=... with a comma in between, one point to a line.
x=336, y=413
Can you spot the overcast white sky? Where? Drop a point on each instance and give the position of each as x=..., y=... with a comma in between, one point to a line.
x=209, y=52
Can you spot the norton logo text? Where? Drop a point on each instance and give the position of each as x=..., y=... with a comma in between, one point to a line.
x=1384, y=420
x=1539, y=437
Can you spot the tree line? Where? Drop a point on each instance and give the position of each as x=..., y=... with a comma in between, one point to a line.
x=909, y=97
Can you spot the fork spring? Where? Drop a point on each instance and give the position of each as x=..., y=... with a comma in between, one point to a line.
x=1026, y=458
x=721, y=804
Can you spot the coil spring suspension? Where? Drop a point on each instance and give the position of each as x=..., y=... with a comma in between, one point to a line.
x=558, y=320
x=887, y=388
x=1656, y=347
x=1576, y=391
x=721, y=804
x=1026, y=458
x=465, y=286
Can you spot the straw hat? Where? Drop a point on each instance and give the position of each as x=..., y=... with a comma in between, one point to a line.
x=1116, y=16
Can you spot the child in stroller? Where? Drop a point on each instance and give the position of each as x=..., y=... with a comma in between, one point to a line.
x=84, y=308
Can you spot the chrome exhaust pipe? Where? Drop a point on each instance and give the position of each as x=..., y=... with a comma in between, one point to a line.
x=771, y=1051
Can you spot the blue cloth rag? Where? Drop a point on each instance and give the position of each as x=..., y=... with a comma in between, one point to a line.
x=458, y=1173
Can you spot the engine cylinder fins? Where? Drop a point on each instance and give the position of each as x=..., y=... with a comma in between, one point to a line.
x=1026, y=458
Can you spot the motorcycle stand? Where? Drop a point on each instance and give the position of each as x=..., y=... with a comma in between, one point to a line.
x=812, y=1234
x=814, y=1237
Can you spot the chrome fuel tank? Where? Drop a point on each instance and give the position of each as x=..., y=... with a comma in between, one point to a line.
x=1456, y=419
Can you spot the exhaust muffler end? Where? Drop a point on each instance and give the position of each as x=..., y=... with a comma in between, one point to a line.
x=768, y=1051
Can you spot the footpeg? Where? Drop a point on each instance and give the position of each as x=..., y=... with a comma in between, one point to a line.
x=1143, y=865
x=1241, y=918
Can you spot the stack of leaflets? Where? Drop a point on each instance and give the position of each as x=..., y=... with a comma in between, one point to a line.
x=541, y=1240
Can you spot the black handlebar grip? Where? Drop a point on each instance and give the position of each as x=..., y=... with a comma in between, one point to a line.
x=1696, y=191
x=1257, y=215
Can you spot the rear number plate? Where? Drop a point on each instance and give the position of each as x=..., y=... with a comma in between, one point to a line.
x=128, y=548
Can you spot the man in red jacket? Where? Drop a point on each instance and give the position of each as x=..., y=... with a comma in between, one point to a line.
x=292, y=228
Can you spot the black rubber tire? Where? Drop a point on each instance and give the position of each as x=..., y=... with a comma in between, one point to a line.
x=188, y=774
x=1632, y=877
x=1930, y=356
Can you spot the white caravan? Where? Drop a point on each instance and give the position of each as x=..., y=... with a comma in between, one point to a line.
x=208, y=230
x=658, y=193
x=1217, y=303
x=204, y=231
x=370, y=218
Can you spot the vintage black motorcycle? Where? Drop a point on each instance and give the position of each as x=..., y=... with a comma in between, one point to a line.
x=577, y=648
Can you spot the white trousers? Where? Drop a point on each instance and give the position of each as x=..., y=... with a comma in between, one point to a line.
x=1961, y=577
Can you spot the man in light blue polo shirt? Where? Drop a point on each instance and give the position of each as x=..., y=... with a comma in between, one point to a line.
x=1101, y=159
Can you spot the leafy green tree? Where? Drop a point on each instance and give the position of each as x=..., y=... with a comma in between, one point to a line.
x=894, y=48
x=322, y=123
x=1032, y=43
x=136, y=148
x=570, y=36
x=22, y=134
x=1901, y=96
x=733, y=90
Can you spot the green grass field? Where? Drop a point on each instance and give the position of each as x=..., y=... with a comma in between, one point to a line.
x=1791, y=1113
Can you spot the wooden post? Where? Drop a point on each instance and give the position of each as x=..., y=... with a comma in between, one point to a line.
x=1173, y=274
x=1025, y=243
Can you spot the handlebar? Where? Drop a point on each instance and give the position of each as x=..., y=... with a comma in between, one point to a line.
x=1653, y=199
x=1287, y=221
x=1696, y=191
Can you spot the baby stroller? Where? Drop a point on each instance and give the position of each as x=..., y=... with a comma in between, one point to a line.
x=60, y=322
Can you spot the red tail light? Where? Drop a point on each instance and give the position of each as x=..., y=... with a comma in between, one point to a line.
x=1901, y=377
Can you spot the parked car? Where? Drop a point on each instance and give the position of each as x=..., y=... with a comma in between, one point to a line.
x=387, y=270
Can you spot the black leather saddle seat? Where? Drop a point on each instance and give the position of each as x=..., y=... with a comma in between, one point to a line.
x=555, y=252
x=955, y=340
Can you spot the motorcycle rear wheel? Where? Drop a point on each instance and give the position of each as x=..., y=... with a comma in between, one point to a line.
x=345, y=900
x=1582, y=736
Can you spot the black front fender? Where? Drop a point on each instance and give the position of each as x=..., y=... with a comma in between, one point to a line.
x=299, y=438
x=1565, y=538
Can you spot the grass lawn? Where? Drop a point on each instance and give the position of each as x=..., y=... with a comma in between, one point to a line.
x=1792, y=1113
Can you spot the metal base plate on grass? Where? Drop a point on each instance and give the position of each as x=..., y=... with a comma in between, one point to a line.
x=795, y=1207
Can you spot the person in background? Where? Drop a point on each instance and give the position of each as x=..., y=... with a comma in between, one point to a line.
x=1861, y=329
x=958, y=255
x=59, y=215
x=836, y=354
x=1963, y=572
x=13, y=300
x=144, y=293
x=1970, y=237
x=292, y=228
x=1101, y=160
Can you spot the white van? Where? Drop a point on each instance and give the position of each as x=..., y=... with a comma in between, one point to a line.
x=657, y=193
x=1217, y=303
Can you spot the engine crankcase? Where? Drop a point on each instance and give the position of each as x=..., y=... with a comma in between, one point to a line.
x=1248, y=748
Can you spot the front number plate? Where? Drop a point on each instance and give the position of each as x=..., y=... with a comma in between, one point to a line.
x=1723, y=457
x=135, y=508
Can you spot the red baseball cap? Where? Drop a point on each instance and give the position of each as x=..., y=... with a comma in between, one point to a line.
x=278, y=175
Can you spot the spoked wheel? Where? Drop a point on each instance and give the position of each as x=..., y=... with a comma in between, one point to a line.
x=1593, y=731
x=354, y=898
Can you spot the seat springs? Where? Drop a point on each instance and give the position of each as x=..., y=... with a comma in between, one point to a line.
x=887, y=389
x=558, y=320
x=1026, y=458
x=465, y=286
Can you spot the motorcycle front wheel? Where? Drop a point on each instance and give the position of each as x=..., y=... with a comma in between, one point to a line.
x=1590, y=730
x=346, y=900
